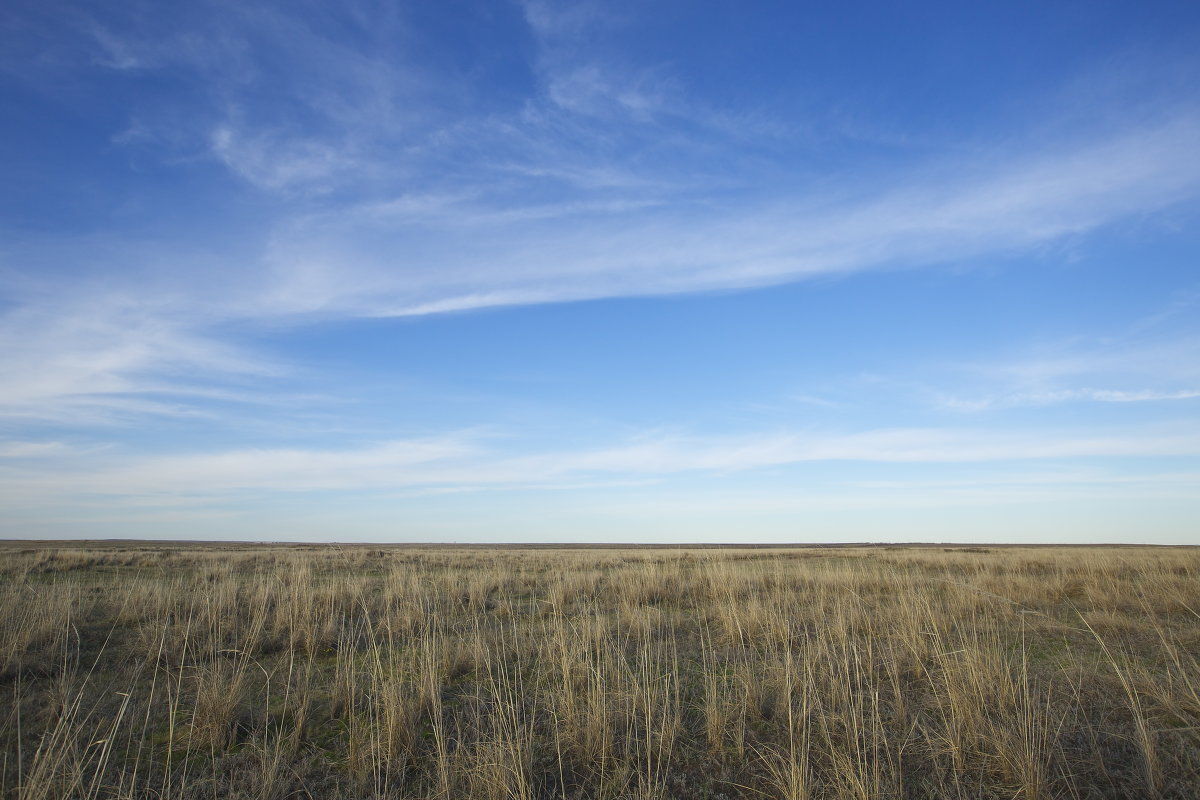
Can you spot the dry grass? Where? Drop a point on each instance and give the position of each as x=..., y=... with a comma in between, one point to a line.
x=273, y=672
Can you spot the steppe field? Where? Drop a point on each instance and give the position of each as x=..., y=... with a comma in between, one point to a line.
x=154, y=670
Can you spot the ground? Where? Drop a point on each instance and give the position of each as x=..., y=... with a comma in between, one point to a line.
x=156, y=670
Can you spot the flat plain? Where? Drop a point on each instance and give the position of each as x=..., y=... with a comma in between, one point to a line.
x=157, y=670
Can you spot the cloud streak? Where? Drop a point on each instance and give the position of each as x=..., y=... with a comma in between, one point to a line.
x=461, y=462
x=112, y=358
x=464, y=249
x=997, y=206
x=1152, y=362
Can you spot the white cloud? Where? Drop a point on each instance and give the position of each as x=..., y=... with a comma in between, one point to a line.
x=117, y=53
x=1068, y=396
x=1148, y=363
x=20, y=449
x=84, y=361
x=458, y=462
x=557, y=21
x=365, y=117
x=666, y=455
x=278, y=162
x=456, y=260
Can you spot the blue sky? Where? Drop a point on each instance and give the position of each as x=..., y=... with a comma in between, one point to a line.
x=652, y=271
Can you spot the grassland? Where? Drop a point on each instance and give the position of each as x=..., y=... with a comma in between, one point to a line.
x=157, y=671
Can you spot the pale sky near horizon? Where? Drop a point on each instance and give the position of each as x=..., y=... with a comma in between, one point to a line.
x=600, y=271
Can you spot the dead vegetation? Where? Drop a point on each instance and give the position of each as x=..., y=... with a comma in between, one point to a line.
x=323, y=672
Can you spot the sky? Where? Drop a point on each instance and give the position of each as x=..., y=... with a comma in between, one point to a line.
x=654, y=271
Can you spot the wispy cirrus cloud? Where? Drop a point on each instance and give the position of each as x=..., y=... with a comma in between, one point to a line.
x=463, y=461
x=113, y=359
x=278, y=162
x=357, y=111
x=997, y=205
x=21, y=449
x=466, y=249
x=1053, y=397
x=1153, y=360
